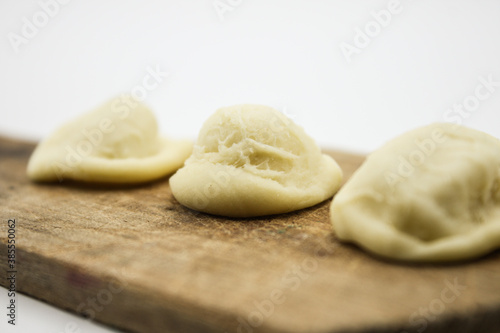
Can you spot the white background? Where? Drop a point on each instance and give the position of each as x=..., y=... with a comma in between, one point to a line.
x=427, y=58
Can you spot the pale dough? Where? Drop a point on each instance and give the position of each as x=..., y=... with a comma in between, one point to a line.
x=252, y=160
x=432, y=194
x=115, y=143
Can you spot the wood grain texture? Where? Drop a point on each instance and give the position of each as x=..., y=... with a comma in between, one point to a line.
x=134, y=258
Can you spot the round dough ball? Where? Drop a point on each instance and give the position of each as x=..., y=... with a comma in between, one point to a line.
x=115, y=143
x=251, y=160
x=432, y=194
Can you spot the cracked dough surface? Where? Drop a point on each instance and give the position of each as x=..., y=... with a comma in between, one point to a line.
x=432, y=194
x=251, y=160
x=117, y=142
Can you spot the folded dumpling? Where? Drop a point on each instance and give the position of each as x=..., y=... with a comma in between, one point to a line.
x=117, y=142
x=252, y=160
x=432, y=194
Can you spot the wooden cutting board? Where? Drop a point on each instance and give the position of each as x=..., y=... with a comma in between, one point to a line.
x=133, y=258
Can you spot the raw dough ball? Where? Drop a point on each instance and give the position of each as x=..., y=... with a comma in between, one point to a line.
x=251, y=160
x=432, y=194
x=115, y=143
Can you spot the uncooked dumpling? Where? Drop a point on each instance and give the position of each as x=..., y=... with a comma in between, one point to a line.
x=432, y=194
x=251, y=160
x=115, y=143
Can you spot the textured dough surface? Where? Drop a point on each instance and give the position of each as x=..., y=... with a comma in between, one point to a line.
x=432, y=194
x=251, y=160
x=117, y=142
